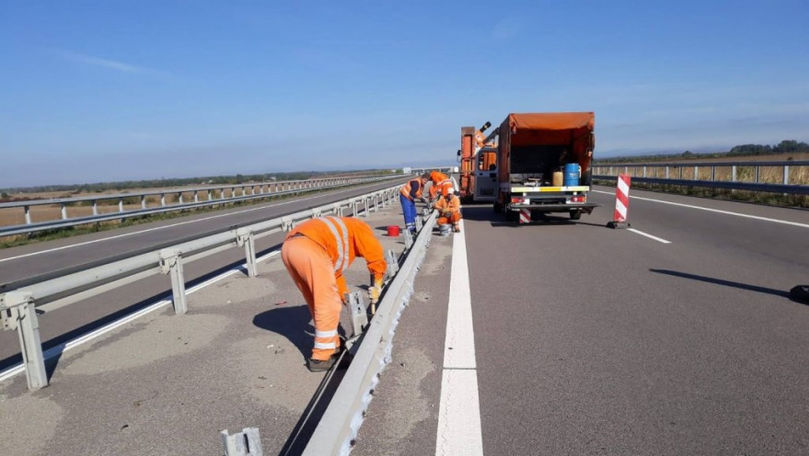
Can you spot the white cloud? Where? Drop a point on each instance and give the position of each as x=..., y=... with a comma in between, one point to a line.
x=116, y=65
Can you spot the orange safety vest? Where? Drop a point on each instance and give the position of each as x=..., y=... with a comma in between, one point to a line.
x=405, y=190
x=454, y=204
x=441, y=183
x=344, y=239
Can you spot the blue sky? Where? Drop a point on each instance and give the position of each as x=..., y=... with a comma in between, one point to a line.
x=112, y=90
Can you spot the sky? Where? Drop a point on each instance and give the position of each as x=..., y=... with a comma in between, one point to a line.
x=119, y=90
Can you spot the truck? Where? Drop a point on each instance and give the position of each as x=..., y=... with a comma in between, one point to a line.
x=478, y=170
x=532, y=150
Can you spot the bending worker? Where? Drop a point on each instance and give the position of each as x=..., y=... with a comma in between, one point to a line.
x=407, y=196
x=449, y=210
x=442, y=184
x=316, y=253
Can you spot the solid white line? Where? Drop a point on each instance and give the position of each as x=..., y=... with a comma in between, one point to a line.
x=718, y=211
x=459, y=411
x=71, y=344
x=649, y=235
x=168, y=226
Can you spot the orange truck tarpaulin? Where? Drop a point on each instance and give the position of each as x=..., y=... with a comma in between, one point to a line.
x=315, y=254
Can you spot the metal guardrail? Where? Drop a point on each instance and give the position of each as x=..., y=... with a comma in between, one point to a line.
x=20, y=308
x=343, y=417
x=248, y=192
x=737, y=175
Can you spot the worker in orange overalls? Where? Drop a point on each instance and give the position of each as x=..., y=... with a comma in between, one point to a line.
x=315, y=254
x=449, y=211
x=441, y=184
x=408, y=195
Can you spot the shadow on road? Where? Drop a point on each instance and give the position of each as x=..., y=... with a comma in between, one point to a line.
x=290, y=322
x=487, y=214
x=727, y=283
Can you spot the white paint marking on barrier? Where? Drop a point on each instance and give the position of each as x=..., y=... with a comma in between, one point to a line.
x=718, y=211
x=459, y=411
x=61, y=348
x=661, y=240
x=169, y=226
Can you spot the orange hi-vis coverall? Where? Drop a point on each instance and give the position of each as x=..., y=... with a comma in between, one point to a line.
x=449, y=211
x=316, y=253
x=442, y=183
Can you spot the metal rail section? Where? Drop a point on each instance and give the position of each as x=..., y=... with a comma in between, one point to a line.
x=247, y=192
x=337, y=429
x=20, y=308
x=673, y=174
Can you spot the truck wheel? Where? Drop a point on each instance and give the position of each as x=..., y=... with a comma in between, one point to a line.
x=513, y=216
x=575, y=215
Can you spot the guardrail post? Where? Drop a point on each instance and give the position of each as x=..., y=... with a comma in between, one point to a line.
x=180, y=198
x=196, y=196
x=408, y=238
x=171, y=262
x=393, y=263
x=63, y=211
x=120, y=204
x=696, y=172
x=162, y=200
x=733, y=173
x=244, y=237
x=245, y=443
x=210, y=195
x=143, y=201
x=786, y=174
x=359, y=316
x=758, y=173
x=95, y=207
x=27, y=210
x=713, y=173
x=365, y=206
x=644, y=170
x=18, y=312
x=419, y=222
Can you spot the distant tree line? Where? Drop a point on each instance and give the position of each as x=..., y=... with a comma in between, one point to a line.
x=789, y=146
x=237, y=179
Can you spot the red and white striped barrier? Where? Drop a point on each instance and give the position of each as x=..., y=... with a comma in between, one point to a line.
x=525, y=216
x=621, y=202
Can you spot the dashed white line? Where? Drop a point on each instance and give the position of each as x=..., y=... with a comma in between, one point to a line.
x=718, y=211
x=164, y=227
x=459, y=429
x=648, y=236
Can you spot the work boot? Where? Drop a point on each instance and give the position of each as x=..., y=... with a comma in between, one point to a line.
x=457, y=228
x=316, y=365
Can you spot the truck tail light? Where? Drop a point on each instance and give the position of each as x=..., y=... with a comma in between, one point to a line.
x=577, y=199
x=518, y=199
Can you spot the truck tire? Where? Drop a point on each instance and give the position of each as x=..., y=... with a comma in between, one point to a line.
x=575, y=214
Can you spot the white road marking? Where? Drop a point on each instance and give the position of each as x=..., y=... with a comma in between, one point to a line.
x=718, y=211
x=649, y=235
x=71, y=344
x=166, y=226
x=459, y=411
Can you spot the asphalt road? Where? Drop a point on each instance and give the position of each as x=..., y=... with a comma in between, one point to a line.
x=71, y=321
x=598, y=341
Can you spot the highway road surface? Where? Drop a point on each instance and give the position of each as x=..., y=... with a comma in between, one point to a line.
x=675, y=336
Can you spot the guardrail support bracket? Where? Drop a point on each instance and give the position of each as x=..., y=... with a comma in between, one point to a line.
x=18, y=312
x=359, y=314
x=172, y=263
x=245, y=443
x=408, y=238
x=393, y=263
x=245, y=238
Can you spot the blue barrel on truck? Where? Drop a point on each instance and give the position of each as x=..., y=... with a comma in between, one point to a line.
x=571, y=177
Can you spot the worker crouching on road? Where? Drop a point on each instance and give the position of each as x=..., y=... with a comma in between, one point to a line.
x=408, y=195
x=442, y=184
x=315, y=254
x=449, y=211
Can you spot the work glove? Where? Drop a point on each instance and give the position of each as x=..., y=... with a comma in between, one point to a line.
x=375, y=290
